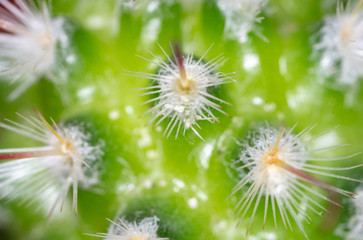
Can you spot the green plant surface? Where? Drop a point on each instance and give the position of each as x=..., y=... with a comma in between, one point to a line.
x=143, y=173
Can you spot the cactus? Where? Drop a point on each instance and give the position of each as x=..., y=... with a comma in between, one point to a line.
x=158, y=119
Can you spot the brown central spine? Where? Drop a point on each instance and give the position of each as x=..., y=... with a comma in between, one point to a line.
x=184, y=82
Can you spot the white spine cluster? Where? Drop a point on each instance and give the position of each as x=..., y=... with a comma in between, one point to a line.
x=241, y=16
x=183, y=89
x=353, y=229
x=146, y=229
x=278, y=170
x=341, y=44
x=28, y=43
x=135, y=5
x=47, y=173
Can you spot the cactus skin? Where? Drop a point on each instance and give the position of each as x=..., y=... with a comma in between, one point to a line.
x=184, y=182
